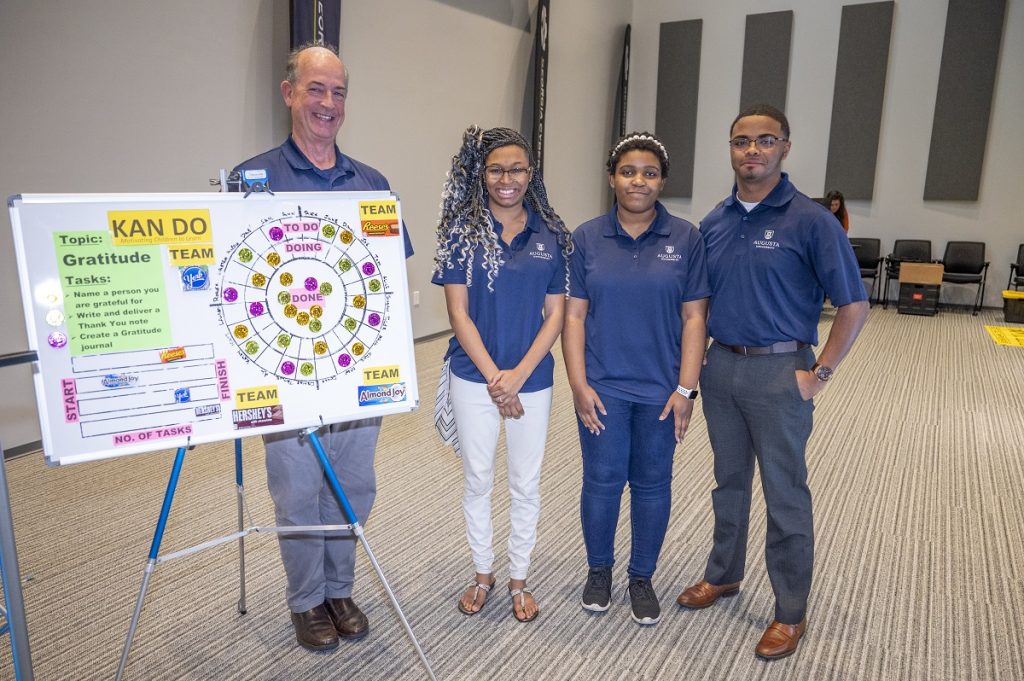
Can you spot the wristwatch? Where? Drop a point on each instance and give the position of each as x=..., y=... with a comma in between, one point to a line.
x=822, y=372
x=686, y=392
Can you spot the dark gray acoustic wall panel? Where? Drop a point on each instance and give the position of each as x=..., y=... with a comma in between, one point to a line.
x=861, y=67
x=675, y=119
x=963, y=102
x=766, y=49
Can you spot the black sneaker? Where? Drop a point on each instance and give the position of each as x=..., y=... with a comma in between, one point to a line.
x=597, y=593
x=646, y=609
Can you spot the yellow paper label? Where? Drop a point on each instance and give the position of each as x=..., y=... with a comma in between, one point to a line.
x=259, y=396
x=150, y=227
x=190, y=254
x=379, y=218
x=381, y=375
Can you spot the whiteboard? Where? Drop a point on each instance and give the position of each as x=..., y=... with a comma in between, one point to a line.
x=166, y=320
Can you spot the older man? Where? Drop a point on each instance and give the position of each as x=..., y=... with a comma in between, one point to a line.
x=772, y=254
x=320, y=569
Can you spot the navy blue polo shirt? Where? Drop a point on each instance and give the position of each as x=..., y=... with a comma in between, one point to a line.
x=288, y=170
x=510, y=317
x=771, y=268
x=636, y=289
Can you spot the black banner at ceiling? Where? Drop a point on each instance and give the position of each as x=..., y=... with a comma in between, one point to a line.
x=620, y=104
x=540, y=81
x=316, y=21
x=622, y=95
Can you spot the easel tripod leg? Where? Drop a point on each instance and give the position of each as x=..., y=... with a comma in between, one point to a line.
x=240, y=489
x=154, y=552
x=357, y=530
x=21, y=657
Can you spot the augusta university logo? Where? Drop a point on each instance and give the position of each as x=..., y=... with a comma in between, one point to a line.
x=540, y=253
x=767, y=242
x=668, y=254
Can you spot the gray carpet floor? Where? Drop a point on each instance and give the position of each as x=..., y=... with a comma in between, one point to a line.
x=917, y=470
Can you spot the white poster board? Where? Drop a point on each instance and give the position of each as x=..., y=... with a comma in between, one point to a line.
x=165, y=320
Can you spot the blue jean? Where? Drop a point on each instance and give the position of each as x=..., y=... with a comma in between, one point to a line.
x=637, y=448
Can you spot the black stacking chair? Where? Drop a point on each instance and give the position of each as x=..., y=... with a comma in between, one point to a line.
x=868, y=252
x=908, y=250
x=964, y=263
x=1017, y=271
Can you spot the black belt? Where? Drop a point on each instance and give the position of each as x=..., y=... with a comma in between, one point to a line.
x=773, y=349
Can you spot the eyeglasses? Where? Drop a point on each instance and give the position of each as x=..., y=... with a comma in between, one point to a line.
x=495, y=173
x=762, y=141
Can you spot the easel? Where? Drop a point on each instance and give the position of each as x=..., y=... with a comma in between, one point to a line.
x=34, y=219
x=14, y=614
x=354, y=527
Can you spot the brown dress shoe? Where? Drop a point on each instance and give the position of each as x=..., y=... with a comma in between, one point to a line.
x=780, y=640
x=314, y=629
x=349, y=620
x=704, y=593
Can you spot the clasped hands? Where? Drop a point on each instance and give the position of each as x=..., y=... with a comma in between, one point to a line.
x=504, y=391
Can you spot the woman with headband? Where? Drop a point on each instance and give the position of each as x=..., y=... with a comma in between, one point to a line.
x=633, y=341
x=502, y=255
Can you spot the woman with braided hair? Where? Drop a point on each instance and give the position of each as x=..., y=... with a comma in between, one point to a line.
x=502, y=257
x=633, y=341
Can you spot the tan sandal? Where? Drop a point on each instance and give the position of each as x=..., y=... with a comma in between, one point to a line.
x=522, y=593
x=477, y=588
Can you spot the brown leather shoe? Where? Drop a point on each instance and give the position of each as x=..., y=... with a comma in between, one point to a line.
x=314, y=629
x=780, y=640
x=704, y=593
x=349, y=620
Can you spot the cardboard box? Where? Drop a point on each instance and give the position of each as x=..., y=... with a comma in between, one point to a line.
x=921, y=273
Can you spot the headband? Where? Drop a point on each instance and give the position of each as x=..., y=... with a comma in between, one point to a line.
x=638, y=137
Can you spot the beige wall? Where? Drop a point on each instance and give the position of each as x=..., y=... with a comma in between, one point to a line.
x=125, y=96
x=897, y=210
x=121, y=95
x=435, y=69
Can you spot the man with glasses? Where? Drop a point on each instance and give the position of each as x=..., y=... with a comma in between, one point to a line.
x=772, y=255
x=319, y=568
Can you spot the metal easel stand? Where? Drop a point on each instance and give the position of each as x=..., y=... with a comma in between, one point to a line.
x=241, y=524
x=357, y=530
x=155, y=559
x=14, y=613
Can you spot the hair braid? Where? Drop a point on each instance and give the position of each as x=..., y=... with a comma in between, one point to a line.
x=537, y=195
x=465, y=222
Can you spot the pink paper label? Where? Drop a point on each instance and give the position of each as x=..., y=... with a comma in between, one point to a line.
x=69, y=394
x=303, y=299
x=223, y=385
x=153, y=434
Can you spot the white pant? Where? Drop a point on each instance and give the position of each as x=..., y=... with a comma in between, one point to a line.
x=478, y=423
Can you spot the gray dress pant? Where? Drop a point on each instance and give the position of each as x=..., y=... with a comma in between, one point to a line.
x=319, y=567
x=754, y=412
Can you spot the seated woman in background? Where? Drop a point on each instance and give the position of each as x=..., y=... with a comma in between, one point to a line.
x=633, y=342
x=837, y=204
x=502, y=259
